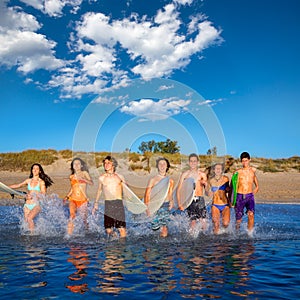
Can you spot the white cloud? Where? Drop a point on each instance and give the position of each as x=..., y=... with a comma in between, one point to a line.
x=166, y=87
x=211, y=102
x=74, y=83
x=120, y=100
x=155, y=47
x=21, y=46
x=155, y=110
x=37, y=4
x=99, y=61
x=104, y=100
x=106, y=52
x=15, y=19
x=195, y=20
x=184, y=2
x=53, y=8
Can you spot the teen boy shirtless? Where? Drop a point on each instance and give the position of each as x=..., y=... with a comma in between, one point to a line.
x=197, y=209
x=110, y=183
x=162, y=216
x=245, y=192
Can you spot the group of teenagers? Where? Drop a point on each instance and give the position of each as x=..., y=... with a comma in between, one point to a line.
x=213, y=184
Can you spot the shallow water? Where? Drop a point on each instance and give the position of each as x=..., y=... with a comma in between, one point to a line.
x=229, y=266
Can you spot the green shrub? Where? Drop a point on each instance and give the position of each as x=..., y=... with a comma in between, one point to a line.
x=66, y=154
x=135, y=167
x=134, y=157
x=269, y=166
x=22, y=161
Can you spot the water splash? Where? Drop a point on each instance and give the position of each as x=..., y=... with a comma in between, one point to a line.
x=271, y=223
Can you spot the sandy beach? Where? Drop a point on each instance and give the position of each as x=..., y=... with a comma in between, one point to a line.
x=283, y=187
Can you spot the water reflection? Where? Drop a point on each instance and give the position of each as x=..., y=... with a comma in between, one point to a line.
x=35, y=265
x=111, y=269
x=80, y=259
x=242, y=266
x=159, y=268
x=226, y=266
x=215, y=268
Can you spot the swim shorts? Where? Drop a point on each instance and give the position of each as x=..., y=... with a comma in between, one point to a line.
x=244, y=201
x=197, y=209
x=114, y=214
x=161, y=217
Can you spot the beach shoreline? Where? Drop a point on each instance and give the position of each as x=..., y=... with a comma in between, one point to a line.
x=279, y=187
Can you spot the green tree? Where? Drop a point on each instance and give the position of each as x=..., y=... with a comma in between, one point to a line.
x=171, y=147
x=212, y=151
x=167, y=146
x=147, y=146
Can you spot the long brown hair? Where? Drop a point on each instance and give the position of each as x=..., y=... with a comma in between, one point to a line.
x=48, y=181
x=84, y=166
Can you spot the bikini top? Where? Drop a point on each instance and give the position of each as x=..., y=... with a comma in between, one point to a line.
x=36, y=188
x=74, y=180
x=221, y=188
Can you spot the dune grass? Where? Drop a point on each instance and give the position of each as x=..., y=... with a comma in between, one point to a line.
x=22, y=161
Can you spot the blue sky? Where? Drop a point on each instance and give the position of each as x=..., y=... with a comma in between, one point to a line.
x=106, y=75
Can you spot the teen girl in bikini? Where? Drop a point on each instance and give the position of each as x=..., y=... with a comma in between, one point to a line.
x=37, y=183
x=77, y=197
x=218, y=188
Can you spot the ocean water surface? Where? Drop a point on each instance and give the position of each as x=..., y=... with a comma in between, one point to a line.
x=50, y=265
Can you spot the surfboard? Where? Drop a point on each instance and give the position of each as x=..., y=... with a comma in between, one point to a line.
x=186, y=194
x=158, y=195
x=133, y=203
x=6, y=189
x=234, y=186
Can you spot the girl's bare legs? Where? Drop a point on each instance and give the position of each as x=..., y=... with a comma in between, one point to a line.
x=73, y=210
x=226, y=216
x=83, y=212
x=215, y=215
x=29, y=216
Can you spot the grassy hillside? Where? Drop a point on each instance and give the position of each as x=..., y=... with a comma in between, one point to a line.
x=22, y=161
